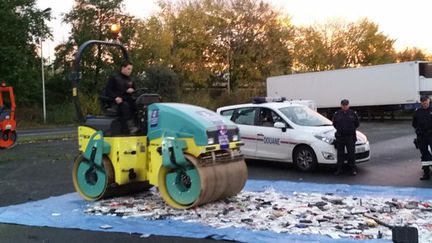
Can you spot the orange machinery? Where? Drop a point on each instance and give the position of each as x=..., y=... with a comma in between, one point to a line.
x=8, y=134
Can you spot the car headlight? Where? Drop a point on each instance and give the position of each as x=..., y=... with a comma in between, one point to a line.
x=361, y=137
x=329, y=156
x=326, y=139
x=235, y=138
x=210, y=141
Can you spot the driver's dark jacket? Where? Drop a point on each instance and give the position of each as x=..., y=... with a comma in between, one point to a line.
x=422, y=121
x=117, y=86
x=345, y=122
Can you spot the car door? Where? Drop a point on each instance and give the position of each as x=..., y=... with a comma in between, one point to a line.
x=273, y=143
x=244, y=117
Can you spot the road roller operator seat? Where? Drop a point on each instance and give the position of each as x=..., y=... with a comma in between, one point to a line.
x=110, y=124
x=107, y=106
x=1, y=111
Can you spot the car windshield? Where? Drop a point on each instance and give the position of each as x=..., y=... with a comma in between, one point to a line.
x=304, y=116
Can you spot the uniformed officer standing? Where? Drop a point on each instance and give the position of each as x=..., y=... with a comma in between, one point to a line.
x=346, y=122
x=422, y=122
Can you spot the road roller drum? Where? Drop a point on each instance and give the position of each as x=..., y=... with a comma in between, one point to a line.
x=201, y=184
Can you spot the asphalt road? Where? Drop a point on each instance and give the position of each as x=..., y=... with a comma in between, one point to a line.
x=46, y=131
x=34, y=171
x=394, y=161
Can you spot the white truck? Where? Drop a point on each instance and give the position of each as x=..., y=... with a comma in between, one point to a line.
x=371, y=90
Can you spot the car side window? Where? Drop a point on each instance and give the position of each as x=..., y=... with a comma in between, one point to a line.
x=268, y=117
x=277, y=118
x=244, y=116
x=265, y=118
x=227, y=114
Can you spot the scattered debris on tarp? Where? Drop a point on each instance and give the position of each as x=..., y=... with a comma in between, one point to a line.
x=105, y=226
x=328, y=214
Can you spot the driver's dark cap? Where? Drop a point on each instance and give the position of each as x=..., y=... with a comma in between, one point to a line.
x=424, y=98
x=344, y=102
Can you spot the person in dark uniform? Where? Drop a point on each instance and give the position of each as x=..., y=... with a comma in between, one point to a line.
x=422, y=123
x=119, y=89
x=346, y=122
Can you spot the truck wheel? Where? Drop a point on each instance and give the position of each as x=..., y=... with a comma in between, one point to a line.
x=305, y=158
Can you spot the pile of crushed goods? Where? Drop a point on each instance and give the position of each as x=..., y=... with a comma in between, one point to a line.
x=300, y=213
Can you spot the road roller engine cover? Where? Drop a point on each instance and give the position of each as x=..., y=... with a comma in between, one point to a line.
x=190, y=153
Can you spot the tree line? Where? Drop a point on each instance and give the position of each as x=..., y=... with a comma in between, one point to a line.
x=208, y=52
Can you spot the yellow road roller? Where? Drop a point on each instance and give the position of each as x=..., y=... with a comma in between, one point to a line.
x=191, y=154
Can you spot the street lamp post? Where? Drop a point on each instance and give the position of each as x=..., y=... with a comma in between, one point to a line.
x=43, y=81
x=44, y=13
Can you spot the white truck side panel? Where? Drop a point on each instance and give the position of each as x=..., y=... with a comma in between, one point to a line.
x=387, y=84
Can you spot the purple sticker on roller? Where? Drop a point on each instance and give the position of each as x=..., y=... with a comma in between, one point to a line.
x=223, y=137
x=154, y=118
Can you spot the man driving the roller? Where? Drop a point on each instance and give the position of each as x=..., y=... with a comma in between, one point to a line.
x=119, y=89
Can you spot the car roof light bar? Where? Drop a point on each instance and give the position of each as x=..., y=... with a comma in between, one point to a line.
x=261, y=99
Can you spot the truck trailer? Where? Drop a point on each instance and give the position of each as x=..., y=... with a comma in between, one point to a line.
x=371, y=90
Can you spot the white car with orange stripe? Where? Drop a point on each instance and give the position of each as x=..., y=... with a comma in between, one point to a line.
x=288, y=132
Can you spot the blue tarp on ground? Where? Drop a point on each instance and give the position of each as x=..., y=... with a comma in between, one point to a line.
x=67, y=211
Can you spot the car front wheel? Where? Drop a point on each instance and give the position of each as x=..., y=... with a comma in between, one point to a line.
x=305, y=158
